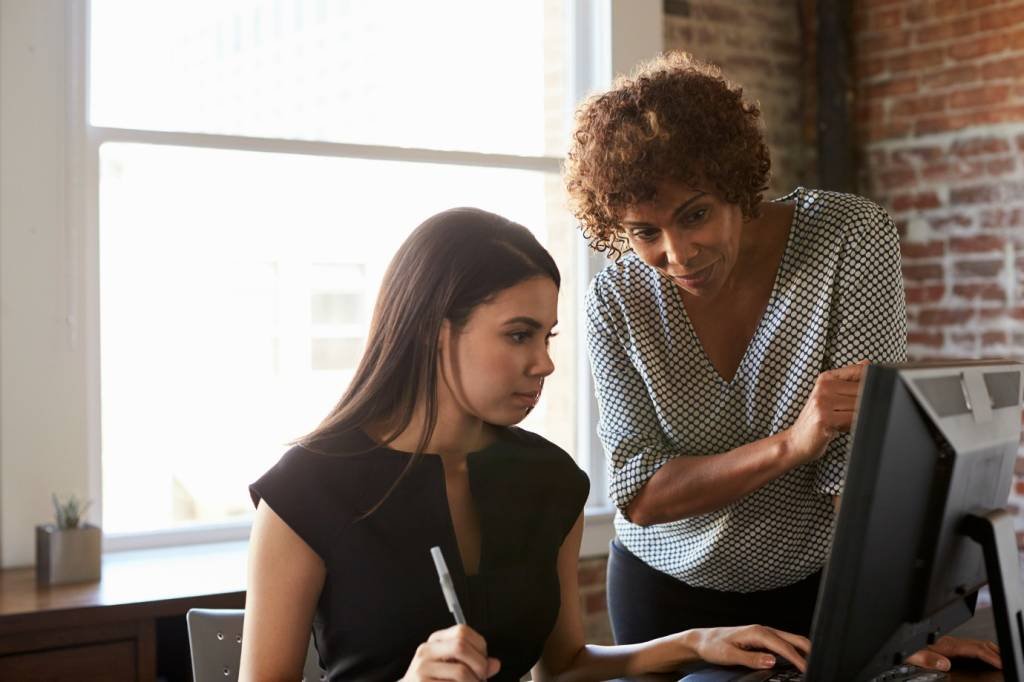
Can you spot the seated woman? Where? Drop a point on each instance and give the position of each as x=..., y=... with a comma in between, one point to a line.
x=421, y=451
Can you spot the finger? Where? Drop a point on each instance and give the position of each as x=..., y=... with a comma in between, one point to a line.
x=461, y=632
x=844, y=388
x=983, y=651
x=783, y=648
x=472, y=637
x=847, y=373
x=801, y=644
x=493, y=666
x=458, y=650
x=749, y=659
x=448, y=670
x=766, y=638
x=968, y=648
x=929, y=659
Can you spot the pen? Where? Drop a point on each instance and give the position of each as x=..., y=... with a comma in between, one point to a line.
x=447, y=586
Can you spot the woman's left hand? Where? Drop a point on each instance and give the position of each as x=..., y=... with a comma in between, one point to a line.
x=937, y=655
x=753, y=646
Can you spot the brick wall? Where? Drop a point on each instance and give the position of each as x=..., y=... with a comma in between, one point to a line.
x=940, y=118
x=759, y=45
x=592, y=600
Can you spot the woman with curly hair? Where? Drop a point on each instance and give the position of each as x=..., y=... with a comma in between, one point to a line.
x=728, y=340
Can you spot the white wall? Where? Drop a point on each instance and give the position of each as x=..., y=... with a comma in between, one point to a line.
x=43, y=431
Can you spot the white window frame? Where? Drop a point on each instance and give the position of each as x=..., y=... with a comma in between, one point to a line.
x=606, y=37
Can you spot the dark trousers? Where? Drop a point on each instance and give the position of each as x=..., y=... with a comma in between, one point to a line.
x=645, y=603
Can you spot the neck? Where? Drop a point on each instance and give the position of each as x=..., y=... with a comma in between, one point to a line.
x=759, y=242
x=456, y=434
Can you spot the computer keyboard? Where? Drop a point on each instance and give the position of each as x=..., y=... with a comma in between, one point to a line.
x=897, y=674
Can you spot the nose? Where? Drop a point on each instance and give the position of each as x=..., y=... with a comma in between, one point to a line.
x=679, y=248
x=542, y=364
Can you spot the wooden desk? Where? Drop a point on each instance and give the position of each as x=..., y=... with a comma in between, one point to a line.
x=128, y=626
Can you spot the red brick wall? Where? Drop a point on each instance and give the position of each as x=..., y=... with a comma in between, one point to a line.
x=759, y=45
x=592, y=600
x=940, y=117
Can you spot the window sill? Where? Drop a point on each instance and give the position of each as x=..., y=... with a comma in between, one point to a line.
x=598, y=531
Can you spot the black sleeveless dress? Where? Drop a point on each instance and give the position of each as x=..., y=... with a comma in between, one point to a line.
x=381, y=597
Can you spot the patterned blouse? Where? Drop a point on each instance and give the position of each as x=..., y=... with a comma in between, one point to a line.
x=837, y=298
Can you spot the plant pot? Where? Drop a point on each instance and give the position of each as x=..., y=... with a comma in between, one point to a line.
x=71, y=555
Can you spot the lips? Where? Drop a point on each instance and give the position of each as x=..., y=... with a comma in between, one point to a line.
x=528, y=399
x=696, y=278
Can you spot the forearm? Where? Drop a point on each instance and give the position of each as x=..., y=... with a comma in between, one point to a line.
x=594, y=662
x=691, y=485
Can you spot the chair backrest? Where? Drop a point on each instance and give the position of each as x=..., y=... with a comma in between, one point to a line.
x=215, y=639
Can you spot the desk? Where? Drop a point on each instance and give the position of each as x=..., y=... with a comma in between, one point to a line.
x=127, y=626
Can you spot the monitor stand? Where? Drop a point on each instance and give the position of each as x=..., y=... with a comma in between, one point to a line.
x=993, y=530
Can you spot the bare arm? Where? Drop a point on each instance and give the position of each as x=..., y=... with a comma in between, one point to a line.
x=687, y=485
x=285, y=580
x=567, y=658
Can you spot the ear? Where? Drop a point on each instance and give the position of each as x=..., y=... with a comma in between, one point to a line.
x=444, y=336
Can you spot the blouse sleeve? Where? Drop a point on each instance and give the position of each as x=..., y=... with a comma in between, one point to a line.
x=870, y=316
x=295, y=489
x=627, y=425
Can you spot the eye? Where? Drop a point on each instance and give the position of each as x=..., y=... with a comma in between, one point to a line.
x=547, y=339
x=644, y=234
x=696, y=216
x=520, y=337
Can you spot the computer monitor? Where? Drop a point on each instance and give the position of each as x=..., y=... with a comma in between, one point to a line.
x=922, y=524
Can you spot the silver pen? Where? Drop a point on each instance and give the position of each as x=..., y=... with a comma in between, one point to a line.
x=446, y=585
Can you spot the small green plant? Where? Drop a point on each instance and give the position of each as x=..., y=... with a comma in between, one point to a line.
x=70, y=513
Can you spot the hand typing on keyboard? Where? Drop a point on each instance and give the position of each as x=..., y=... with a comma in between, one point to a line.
x=753, y=646
x=936, y=656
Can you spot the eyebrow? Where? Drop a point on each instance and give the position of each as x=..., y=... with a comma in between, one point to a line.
x=528, y=321
x=675, y=213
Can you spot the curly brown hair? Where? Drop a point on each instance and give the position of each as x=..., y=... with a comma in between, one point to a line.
x=675, y=118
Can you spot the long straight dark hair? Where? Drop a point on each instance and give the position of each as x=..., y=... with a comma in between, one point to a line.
x=451, y=263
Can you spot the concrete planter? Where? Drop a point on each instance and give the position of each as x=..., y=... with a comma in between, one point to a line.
x=71, y=555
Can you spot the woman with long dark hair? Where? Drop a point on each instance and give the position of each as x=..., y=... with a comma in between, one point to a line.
x=420, y=452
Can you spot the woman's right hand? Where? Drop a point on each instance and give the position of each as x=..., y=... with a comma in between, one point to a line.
x=753, y=646
x=456, y=653
x=827, y=412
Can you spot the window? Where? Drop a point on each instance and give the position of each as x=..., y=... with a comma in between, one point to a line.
x=257, y=164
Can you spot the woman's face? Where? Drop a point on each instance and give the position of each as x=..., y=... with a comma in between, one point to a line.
x=688, y=234
x=495, y=365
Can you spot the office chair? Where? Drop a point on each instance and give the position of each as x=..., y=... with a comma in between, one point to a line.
x=215, y=639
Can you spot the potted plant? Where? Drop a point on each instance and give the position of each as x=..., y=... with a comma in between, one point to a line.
x=68, y=551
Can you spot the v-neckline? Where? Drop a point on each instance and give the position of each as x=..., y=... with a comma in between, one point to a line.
x=451, y=519
x=765, y=314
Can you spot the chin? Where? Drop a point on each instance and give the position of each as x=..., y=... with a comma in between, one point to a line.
x=507, y=419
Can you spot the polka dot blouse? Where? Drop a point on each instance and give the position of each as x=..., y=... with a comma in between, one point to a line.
x=837, y=298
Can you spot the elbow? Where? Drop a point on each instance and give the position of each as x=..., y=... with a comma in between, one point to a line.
x=637, y=513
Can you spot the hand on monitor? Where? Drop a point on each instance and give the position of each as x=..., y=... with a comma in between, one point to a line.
x=753, y=646
x=827, y=413
x=937, y=655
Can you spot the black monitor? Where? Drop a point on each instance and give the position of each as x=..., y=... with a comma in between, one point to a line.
x=922, y=523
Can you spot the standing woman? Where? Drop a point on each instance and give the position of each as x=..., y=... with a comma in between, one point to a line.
x=420, y=452
x=727, y=345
